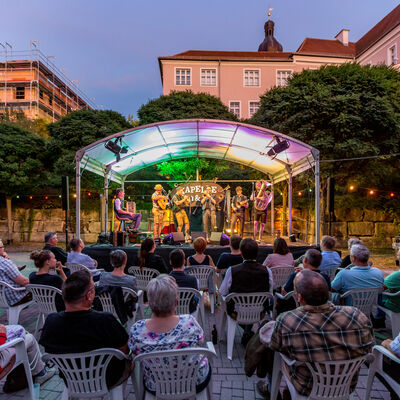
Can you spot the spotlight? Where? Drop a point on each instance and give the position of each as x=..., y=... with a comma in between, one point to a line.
x=281, y=145
x=115, y=148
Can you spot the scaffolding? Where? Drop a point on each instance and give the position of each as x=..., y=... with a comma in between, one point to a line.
x=30, y=81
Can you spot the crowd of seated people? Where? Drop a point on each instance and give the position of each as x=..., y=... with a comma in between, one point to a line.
x=316, y=331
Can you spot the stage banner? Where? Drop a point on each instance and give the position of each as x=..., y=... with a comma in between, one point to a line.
x=195, y=190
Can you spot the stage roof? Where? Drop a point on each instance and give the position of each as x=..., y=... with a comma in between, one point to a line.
x=171, y=140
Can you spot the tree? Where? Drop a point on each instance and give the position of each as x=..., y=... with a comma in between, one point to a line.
x=75, y=131
x=22, y=163
x=344, y=111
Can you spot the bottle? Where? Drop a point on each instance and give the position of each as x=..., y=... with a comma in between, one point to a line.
x=214, y=335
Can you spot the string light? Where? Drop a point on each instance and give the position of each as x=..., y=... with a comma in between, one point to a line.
x=351, y=187
x=75, y=196
x=299, y=193
x=47, y=197
x=371, y=192
x=30, y=197
x=89, y=194
x=392, y=194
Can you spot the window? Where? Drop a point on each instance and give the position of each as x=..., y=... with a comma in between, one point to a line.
x=253, y=107
x=393, y=55
x=50, y=101
x=182, y=76
x=234, y=108
x=208, y=77
x=282, y=77
x=41, y=94
x=20, y=93
x=251, y=77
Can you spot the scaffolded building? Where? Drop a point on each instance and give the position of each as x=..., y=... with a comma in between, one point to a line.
x=31, y=82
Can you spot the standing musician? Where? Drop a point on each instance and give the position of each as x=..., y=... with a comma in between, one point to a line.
x=159, y=206
x=239, y=205
x=208, y=203
x=180, y=202
x=261, y=196
x=121, y=213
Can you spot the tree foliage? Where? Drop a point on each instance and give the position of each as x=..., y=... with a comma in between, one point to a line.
x=344, y=111
x=22, y=160
x=18, y=118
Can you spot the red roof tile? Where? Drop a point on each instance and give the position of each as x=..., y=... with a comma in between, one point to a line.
x=228, y=55
x=383, y=27
x=326, y=47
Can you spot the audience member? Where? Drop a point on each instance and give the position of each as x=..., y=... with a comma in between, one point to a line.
x=318, y=331
x=117, y=277
x=393, y=345
x=200, y=258
x=40, y=373
x=50, y=243
x=226, y=259
x=80, y=329
x=330, y=257
x=360, y=276
x=165, y=330
x=281, y=255
x=46, y=262
x=76, y=256
x=346, y=262
x=9, y=273
x=148, y=259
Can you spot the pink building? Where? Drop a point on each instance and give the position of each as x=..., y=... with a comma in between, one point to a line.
x=239, y=78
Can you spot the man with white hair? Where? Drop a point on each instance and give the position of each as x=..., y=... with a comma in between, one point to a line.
x=350, y=243
x=360, y=275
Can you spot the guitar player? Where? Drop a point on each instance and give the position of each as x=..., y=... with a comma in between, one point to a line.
x=239, y=205
x=159, y=205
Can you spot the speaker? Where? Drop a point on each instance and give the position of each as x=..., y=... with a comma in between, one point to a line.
x=65, y=192
x=178, y=238
x=331, y=194
x=215, y=237
x=292, y=238
x=118, y=238
x=195, y=235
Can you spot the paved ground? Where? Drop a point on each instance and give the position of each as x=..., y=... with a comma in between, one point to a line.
x=230, y=382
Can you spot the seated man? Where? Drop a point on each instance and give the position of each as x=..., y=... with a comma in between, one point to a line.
x=318, y=331
x=50, y=243
x=330, y=257
x=79, y=329
x=360, y=276
x=226, y=259
x=121, y=213
x=183, y=280
x=9, y=273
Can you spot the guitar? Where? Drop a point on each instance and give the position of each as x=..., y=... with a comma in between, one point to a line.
x=239, y=204
x=163, y=203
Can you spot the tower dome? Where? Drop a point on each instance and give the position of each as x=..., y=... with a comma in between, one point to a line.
x=270, y=43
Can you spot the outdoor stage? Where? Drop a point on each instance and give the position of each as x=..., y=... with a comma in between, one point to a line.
x=102, y=252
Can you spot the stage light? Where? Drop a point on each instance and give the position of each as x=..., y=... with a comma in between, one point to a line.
x=115, y=148
x=371, y=192
x=351, y=187
x=281, y=145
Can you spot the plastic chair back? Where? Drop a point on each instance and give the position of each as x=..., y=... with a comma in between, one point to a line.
x=363, y=299
x=185, y=296
x=85, y=373
x=107, y=304
x=45, y=297
x=202, y=274
x=281, y=275
x=3, y=298
x=143, y=276
x=331, y=272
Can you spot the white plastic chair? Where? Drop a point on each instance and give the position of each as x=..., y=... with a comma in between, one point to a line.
x=281, y=275
x=331, y=379
x=363, y=299
x=248, y=307
x=287, y=296
x=331, y=272
x=175, y=373
x=185, y=296
x=21, y=357
x=45, y=298
x=85, y=373
x=143, y=276
x=107, y=304
x=73, y=267
x=12, y=311
x=203, y=274
x=394, y=317
x=377, y=367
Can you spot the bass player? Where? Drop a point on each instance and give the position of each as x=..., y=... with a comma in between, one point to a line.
x=261, y=196
x=159, y=206
x=239, y=205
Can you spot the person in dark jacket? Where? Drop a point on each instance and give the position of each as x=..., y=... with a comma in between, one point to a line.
x=148, y=259
x=50, y=243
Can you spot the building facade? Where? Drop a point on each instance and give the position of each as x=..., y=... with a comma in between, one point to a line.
x=239, y=78
x=32, y=84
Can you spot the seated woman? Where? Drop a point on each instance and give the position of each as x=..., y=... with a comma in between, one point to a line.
x=200, y=245
x=76, y=256
x=148, y=259
x=281, y=255
x=117, y=277
x=165, y=330
x=46, y=261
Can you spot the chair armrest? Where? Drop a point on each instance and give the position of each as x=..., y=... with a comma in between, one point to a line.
x=211, y=347
x=287, y=361
x=387, y=353
x=391, y=294
x=95, y=271
x=284, y=297
x=11, y=343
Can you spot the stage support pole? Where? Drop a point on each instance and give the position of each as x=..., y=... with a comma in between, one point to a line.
x=290, y=197
x=317, y=199
x=78, y=197
x=106, y=202
x=273, y=209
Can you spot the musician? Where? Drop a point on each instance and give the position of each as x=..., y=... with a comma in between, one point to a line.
x=159, y=204
x=239, y=205
x=208, y=203
x=180, y=202
x=261, y=196
x=121, y=213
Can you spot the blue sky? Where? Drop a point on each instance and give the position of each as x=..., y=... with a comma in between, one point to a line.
x=111, y=47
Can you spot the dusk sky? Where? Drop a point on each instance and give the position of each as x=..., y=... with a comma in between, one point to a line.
x=111, y=47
